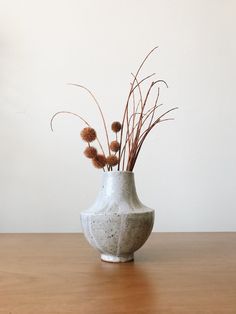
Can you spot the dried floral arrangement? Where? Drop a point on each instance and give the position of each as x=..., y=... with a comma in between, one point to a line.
x=139, y=118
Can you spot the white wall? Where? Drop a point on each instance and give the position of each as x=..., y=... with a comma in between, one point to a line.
x=187, y=169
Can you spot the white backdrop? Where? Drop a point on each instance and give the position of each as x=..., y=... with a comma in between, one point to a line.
x=187, y=168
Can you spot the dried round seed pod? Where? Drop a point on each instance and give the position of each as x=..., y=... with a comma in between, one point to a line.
x=99, y=161
x=116, y=126
x=90, y=152
x=115, y=146
x=112, y=160
x=88, y=134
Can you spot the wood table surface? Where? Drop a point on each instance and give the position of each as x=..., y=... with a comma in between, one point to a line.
x=172, y=273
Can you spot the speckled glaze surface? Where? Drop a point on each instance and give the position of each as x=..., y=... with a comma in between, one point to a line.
x=117, y=224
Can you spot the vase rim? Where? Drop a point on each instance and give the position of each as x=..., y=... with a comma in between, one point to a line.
x=117, y=172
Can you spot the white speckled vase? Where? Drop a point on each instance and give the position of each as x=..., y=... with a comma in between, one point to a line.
x=117, y=224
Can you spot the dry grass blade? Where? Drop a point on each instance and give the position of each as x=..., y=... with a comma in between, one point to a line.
x=67, y=112
x=138, y=84
x=78, y=116
x=144, y=135
x=128, y=99
x=99, y=108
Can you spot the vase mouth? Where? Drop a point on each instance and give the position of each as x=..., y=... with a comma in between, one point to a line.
x=118, y=172
x=123, y=171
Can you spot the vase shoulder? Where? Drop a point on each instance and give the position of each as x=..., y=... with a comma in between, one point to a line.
x=118, y=194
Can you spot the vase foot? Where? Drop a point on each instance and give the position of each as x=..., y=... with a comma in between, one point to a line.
x=117, y=259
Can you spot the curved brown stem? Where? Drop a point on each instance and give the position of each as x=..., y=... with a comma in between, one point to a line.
x=156, y=101
x=99, y=108
x=69, y=112
x=136, y=140
x=129, y=95
x=158, y=120
x=140, y=146
x=144, y=135
x=141, y=101
x=146, y=115
x=77, y=115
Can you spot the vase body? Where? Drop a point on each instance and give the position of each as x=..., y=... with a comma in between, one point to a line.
x=117, y=224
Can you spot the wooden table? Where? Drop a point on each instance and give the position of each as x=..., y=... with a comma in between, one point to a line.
x=172, y=273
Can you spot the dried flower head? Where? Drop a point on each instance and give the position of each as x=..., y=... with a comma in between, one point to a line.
x=116, y=126
x=90, y=152
x=112, y=160
x=99, y=161
x=115, y=146
x=88, y=134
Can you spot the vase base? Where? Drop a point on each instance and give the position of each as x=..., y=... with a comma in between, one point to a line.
x=117, y=259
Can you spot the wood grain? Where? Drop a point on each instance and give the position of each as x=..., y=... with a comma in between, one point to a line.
x=173, y=273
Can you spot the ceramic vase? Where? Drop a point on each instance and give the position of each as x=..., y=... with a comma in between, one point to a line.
x=117, y=224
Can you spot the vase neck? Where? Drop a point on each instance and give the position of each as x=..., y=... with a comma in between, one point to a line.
x=119, y=185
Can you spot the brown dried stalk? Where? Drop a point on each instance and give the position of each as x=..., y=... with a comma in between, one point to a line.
x=99, y=108
x=141, y=102
x=152, y=110
x=143, y=137
x=81, y=118
x=128, y=99
x=146, y=115
x=69, y=112
x=140, y=123
x=156, y=101
x=158, y=120
x=134, y=143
